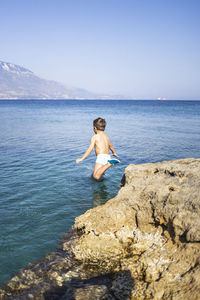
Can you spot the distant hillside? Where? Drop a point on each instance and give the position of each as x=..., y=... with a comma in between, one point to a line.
x=17, y=82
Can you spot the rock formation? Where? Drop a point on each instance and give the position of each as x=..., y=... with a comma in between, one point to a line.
x=142, y=244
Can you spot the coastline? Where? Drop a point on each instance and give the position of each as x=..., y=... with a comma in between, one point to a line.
x=144, y=243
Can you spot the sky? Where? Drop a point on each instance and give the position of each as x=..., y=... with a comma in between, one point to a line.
x=142, y=49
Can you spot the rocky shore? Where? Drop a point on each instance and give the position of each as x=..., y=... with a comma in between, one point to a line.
x=142, y=244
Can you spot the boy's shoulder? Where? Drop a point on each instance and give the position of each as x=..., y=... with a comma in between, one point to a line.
x=96, y=135
x=93, y=138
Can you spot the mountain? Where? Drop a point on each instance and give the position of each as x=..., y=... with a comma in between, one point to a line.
x=17, y=82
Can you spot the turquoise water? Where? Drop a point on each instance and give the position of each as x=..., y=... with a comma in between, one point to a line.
x=42, y=190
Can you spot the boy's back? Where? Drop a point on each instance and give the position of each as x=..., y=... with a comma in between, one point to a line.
x=102, y=143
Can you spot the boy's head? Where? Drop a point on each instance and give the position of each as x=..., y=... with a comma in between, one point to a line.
x=99, y=124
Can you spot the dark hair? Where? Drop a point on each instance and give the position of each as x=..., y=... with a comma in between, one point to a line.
x=100, y=124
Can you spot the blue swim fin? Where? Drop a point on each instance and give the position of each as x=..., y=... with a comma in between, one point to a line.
x=114, y=161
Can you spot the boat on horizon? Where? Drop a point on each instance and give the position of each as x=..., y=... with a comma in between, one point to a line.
x=162, y=99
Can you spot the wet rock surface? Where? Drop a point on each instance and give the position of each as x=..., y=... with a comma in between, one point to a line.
x=142, y=244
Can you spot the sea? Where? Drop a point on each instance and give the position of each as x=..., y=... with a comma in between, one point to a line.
x=43, y=190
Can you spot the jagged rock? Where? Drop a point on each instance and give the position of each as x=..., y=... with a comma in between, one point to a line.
x=151, y=228
x=143, y=244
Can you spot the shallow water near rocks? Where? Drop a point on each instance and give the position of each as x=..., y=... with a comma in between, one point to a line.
x=42, y=190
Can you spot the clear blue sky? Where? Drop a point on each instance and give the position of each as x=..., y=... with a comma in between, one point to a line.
x=141, y=48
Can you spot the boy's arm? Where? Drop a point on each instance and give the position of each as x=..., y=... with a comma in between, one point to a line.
x=112, y=149
x=88, y=151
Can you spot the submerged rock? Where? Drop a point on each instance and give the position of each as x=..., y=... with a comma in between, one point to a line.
x=142, y=244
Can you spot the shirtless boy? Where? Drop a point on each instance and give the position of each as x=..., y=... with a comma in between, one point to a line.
x=102, y=144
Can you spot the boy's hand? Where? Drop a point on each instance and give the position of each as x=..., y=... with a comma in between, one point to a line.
x=78, y=160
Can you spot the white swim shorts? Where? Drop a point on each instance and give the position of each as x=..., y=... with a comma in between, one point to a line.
x=103, y=159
